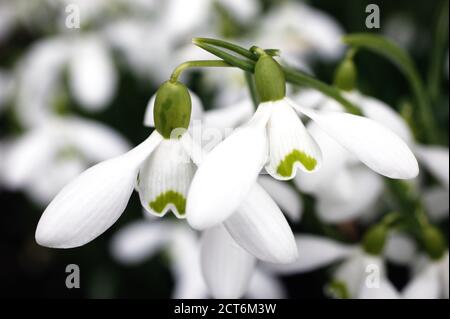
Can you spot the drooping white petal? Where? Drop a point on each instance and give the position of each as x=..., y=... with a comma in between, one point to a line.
x=94, y=140
x=384, y=290
x=228, y=172
x=309, y=98
x=260, y=227
x=425, y=285
x=284, y=195
x=436, y=160
x=264, y=285
x=226, y=266
x=164, y=179
x=314, y=252
x=373, y=144
x=400, y=249
x=290, y=145
x=436, y=201
x=196, y=109
x=92, y=202
x=366, y=189
x=184, y=252
x=92, y=76
x=139, y=240
x=383, y=114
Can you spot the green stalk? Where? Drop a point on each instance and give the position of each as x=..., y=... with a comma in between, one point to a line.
x=437, y=54
x=196, y=64
x=252, y=88
x=292, y=76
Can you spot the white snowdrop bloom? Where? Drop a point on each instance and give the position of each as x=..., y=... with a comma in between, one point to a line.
x=300, y=31
x=254, y=234
x=340, y=170
x=91, y=75
x=358, y=273
x=230, y=274
x=430, y=282
x=276, y=139
x=160, y=168
x=47, y=157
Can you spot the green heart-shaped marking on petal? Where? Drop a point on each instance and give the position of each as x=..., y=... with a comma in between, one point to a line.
x=287, y=164
x=166, y=198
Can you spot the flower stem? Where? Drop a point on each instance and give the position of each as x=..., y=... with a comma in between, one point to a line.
x=196, y=64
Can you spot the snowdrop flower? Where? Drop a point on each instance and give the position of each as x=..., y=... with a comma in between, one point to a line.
x=160, y=168
x=140, y=240
x=45, y=158
x=301, y=31
x=276, y=139
x=91, y=74
x=344, y=188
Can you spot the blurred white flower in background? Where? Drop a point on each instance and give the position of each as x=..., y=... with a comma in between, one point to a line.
x=232, y=272
x=44, y=159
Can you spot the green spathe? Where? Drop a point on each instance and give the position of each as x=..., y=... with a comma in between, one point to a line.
x=346, y=75
x=286, y=166
x=433, y=242
x=269, y=79
x=375, y=239
x=172, y=111
x=166, y=198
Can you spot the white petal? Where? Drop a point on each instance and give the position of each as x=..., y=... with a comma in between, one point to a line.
x=25, y=156
x=91, y=203
x=284, y=195
x=309, y=98
x=196, y=109
x=184, y=252
x=436, y=201
x=226, y=266
x=260, y=227
x=241, y=10
x=228, y=172
x=139, y=240
x=334, y=160
x=290, y=145
x=314, y=252
x=385, y=290
x=426, y=285
x=96, y=141
x=400, y=249
x=436, y=160
x=164, y=179
x=385, y=115
x=372, y=143
x=366, y=189
x=264, y=285
x=229, y=117
x=92, y=76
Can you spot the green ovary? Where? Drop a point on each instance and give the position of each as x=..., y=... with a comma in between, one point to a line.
x=338, y=289
x=166, y=198
x=287, y=164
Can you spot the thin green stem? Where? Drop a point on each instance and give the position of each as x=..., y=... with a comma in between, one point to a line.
x=292, y=76
x=437, y=53
x=252, y=88
x=196, y=64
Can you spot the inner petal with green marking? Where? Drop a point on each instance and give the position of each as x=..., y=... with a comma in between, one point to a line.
x=170, y=197
x=286, y=166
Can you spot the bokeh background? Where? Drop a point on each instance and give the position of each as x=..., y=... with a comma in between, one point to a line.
x=135, y=44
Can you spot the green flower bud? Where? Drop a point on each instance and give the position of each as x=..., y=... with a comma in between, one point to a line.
x=269, y=79
x=172, y=108
x=374, y=239
x=433, y=242
x=346, y=75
